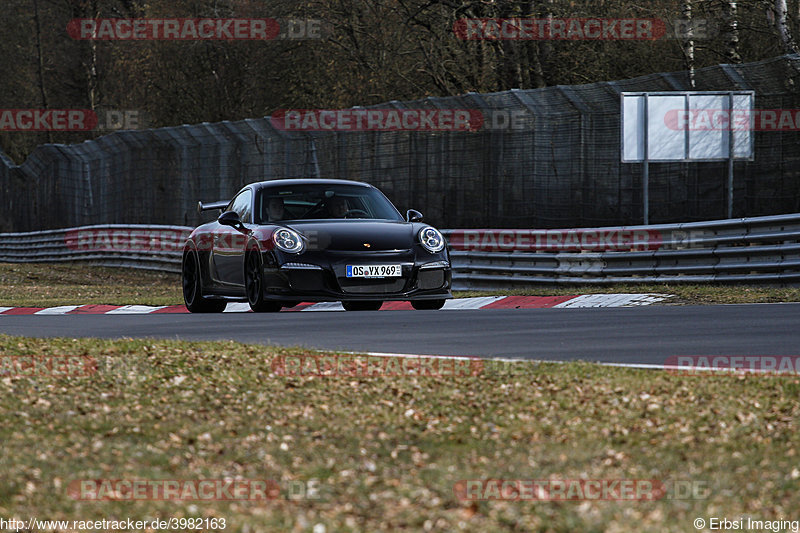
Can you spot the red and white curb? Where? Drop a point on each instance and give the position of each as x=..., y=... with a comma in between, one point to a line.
x=482, y=302
x=613, y=300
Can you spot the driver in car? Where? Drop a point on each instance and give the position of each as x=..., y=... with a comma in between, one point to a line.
x=337, y=207
x=275, y=209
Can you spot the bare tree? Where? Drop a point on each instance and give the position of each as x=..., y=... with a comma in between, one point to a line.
x=731, y=31
x=781, y=11
x=40, y=61
x=688, y=43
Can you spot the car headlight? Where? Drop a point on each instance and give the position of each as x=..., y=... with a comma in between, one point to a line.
x=288, y=240
x=431, y=240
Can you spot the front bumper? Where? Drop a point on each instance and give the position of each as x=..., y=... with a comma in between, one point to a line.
x=321, y=279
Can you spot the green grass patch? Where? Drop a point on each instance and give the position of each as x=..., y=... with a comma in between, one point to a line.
x=386, y=452
x=50, y=285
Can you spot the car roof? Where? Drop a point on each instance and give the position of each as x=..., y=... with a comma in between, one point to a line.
x=307, y=181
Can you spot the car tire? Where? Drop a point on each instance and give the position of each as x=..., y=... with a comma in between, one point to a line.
x=427, y=305
x=253, y=282
x=362, y=306
x=191, y=280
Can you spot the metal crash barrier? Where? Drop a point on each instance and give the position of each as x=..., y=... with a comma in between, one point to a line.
x=759, y=249
x=115, y=245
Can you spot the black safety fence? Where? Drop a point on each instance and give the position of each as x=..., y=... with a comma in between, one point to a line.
x=543, y=158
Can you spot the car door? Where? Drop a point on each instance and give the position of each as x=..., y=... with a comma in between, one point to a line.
x=229, y=243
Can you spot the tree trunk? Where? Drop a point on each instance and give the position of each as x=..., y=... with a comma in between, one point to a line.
x=688, y=43
x=40, y=61
x=731, y=31
x=782, y=25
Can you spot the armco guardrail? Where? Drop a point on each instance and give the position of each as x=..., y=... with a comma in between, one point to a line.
x=765, y=249
x=760, y=249
x=134, y=246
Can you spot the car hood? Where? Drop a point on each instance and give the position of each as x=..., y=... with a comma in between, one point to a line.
x=355, y=235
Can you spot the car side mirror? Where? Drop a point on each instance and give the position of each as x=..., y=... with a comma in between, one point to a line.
x=230, y=218
x=412, y=215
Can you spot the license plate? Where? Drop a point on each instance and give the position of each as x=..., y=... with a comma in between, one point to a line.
x=374, y=271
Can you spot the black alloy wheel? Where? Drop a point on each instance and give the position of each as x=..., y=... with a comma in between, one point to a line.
x=253, y=281
x=193, y=288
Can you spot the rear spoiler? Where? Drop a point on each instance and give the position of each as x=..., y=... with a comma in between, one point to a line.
x=210, y=206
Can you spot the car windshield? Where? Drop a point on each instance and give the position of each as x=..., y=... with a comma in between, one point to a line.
x=322, y=201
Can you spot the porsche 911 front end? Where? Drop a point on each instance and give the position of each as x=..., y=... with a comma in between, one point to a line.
x=360, y=260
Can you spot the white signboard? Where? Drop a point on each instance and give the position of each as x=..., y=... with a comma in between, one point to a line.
x=687, y=126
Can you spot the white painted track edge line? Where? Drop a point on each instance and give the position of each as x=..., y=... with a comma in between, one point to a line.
x=643, y=366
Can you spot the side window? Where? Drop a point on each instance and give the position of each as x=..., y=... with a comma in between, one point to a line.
x=242, y=205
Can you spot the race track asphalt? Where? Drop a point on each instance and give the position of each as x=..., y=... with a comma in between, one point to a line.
x=642, y=335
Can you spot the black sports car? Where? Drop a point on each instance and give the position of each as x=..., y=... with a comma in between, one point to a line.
x=281, y=242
